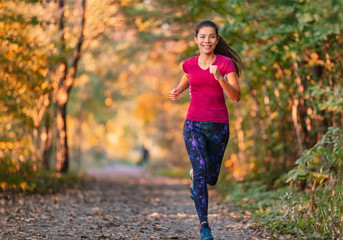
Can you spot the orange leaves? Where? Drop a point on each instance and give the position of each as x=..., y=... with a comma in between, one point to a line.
x=7, y=145
x=108, y=101
x=314, y=58
x=236, y=169
x=125, y=2
x=147, y=106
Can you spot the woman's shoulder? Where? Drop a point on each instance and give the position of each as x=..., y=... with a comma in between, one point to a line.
x=223, y=58
x=226, y=64
x=189, y=64
x=191, y=60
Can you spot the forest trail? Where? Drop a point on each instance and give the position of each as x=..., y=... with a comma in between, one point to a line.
x=121, y=203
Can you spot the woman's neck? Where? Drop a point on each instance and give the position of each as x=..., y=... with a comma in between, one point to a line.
x=206, y=59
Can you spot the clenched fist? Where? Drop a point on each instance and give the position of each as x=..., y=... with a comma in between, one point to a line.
x=215, y=71
x=174, y=94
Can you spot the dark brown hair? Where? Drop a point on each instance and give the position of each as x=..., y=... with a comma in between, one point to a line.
x=222, y=47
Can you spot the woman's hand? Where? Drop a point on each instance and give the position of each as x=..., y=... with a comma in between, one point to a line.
x=215, y=71
x=174, y=94
x=183, y=85
x=229, y=83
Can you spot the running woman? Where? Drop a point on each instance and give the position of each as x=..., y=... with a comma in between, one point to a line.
x=209, y=76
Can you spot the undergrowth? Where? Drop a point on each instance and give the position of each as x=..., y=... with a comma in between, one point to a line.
x=311, y=206
x=21, y=177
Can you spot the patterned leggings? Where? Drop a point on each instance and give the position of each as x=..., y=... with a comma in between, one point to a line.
x=205, y=143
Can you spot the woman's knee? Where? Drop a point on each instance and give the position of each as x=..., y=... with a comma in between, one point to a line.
x=213, y=181
x=199, y=176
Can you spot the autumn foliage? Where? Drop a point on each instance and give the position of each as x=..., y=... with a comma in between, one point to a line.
x=114, y=99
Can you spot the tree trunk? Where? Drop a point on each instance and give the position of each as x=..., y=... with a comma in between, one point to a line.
x=297, y=126
x=65, y=82
x=62, y=154
x=47, y=141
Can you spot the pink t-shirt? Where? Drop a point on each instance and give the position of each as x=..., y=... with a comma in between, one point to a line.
x=207, y=96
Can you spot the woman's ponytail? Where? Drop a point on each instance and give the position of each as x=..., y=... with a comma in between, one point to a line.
x=224, y=49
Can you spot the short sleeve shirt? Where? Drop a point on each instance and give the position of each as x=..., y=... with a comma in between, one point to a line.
x=207, y=102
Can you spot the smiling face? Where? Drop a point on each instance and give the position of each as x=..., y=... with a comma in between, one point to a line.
x=206, y=40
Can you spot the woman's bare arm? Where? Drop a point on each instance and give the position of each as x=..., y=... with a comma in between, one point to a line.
x=231, y=87
x=229, y=83
x=183, y=85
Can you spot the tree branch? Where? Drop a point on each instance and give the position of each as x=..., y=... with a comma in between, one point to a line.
x=77, y=51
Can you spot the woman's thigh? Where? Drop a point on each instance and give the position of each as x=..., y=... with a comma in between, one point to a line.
x=196, y=146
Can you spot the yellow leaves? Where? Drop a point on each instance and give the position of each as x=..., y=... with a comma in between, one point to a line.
x=314, y=58
x=123, y=76
x=8, y=145
x=13, y=47
x=125, y=2
x=23, y=186
x=229, y=163
x=277, y=75
x=274, y=48
x=316, y=159
x=147, y=106
x=191, y=43
x=15, y=25
x=143, y=25
x=273, y=115
x=93, y=140
x=178, y=13
x=10, y=56
x=43, y=71
x=82, y=80
x=219, y=20
x=233, y=164
x=3, y=185
x=287, y=71
x=44, y=85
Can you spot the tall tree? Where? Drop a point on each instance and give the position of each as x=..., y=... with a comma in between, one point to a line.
x=65, y=80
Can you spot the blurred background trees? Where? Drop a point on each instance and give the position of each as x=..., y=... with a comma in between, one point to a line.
x=131, y=54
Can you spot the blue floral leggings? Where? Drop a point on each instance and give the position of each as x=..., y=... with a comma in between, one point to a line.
x=205, y=143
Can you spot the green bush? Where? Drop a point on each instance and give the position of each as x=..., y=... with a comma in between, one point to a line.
x=314, y=213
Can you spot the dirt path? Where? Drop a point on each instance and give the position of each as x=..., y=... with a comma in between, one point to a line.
x=123, y=203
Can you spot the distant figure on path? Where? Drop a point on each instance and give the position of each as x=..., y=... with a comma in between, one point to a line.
x=210, y=76
x=145, y=156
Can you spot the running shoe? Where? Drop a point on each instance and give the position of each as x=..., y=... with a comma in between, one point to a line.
x=205, y=231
